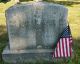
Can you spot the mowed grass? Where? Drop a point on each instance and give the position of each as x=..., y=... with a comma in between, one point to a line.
x=74, y=22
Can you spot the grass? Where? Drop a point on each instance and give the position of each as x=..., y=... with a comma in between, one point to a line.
x=74, y=21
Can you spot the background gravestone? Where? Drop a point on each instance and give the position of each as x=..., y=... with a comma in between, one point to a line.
x=33, y=29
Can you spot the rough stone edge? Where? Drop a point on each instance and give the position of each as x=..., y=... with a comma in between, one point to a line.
x=11, y=56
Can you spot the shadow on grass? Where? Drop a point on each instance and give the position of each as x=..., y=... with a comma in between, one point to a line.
x=3, y=41
x=74, y=60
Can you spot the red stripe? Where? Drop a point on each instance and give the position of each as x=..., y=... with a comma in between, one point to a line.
x=66, y=46
x=70, y=48
x=59, y=49
x=57, y=52
x=63, y=47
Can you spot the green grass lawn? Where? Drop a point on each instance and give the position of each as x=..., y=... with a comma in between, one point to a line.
x=74, y=21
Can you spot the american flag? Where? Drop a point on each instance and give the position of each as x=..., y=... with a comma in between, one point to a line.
x=64, y=45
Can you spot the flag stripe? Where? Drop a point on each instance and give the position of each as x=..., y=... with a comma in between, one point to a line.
x=58, y=50
x=64, y=45
x=68, y=46
x=61, y=48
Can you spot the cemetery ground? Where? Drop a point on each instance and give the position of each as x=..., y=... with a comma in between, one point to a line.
x=73, y=19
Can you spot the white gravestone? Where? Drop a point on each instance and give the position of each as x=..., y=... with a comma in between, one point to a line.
x=33, y=27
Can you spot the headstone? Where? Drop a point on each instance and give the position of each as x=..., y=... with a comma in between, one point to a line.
x=33, y=29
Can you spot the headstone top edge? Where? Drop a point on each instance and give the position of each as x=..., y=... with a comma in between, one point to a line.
x=33, y=3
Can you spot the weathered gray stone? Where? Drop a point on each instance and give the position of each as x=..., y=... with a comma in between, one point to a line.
x=33, y=29
x=24, y=56
x=35, y=24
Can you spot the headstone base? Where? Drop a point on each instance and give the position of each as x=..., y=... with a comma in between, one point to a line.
x=24, y=56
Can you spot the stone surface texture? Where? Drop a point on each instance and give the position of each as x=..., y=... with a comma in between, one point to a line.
x=33, y=26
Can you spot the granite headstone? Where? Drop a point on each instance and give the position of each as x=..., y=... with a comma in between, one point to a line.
x=33, y=29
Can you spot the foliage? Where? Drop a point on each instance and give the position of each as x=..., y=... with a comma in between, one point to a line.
x=3, y=0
